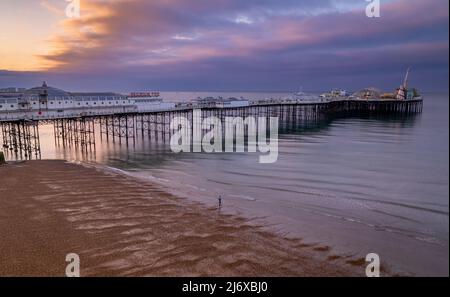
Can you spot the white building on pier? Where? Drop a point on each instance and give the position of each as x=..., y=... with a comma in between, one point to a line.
x=211, y=102
x=47, y=102
x=149, y=101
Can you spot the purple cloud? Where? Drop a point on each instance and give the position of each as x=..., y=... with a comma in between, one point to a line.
x=230, y=44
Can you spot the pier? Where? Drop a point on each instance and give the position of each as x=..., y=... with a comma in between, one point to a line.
x=20, y=130
x=22, y=138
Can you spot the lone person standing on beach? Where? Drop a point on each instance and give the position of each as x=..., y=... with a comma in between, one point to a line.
x=220, y=201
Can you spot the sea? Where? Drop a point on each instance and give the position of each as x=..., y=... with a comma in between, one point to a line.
x=358, y=185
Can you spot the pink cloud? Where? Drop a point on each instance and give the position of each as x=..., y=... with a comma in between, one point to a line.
x=134, y=32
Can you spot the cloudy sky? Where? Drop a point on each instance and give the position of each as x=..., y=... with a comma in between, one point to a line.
x=254, y=45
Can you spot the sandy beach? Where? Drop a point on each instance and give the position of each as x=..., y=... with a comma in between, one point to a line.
x=125, y=227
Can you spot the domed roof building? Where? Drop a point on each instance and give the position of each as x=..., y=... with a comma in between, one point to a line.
x=46, y=91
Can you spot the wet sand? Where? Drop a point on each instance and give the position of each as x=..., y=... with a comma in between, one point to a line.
x=120, y=226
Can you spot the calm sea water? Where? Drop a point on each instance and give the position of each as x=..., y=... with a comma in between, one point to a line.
x=358, y=185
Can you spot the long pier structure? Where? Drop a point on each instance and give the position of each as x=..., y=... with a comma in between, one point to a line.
x=20, y=130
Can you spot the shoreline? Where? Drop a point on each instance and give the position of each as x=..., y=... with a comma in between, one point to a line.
x=122, y=226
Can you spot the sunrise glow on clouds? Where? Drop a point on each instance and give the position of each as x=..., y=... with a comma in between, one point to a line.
x=221, y=44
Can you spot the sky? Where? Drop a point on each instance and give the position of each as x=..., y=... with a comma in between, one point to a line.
x=224, y=45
